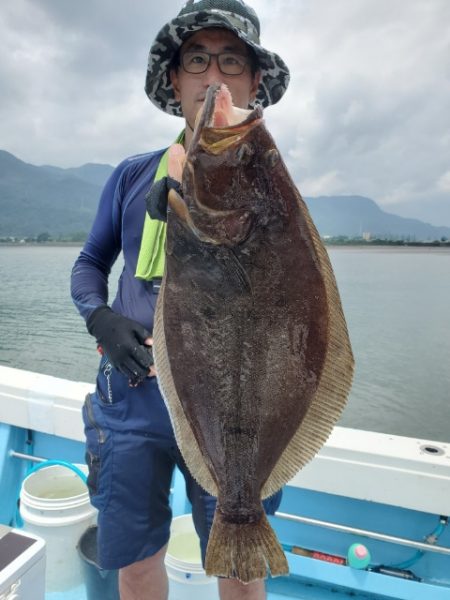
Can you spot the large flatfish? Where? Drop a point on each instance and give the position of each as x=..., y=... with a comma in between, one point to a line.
x=251, y=345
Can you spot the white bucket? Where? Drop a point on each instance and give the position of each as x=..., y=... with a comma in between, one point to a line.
x=187, y=579
x=54, y=504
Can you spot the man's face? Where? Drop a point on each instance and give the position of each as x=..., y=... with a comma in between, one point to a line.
x=190, y=88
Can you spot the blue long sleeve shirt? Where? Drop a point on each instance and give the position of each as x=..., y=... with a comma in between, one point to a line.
x=118, y=227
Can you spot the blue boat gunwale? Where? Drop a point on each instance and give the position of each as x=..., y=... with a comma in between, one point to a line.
x=355, y=473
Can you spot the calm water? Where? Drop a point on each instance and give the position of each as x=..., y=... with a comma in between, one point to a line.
x=397, y=307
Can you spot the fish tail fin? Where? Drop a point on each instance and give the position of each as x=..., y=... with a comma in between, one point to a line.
x=247, y=552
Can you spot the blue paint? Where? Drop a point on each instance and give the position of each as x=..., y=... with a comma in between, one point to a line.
x=310, y=579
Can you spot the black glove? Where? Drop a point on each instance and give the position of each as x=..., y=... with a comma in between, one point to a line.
x=122, y=340
x=156, y=198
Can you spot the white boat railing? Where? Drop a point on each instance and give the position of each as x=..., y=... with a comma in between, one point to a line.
x=394, y=470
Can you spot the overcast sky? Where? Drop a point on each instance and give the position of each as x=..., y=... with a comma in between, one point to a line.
x=367, y=111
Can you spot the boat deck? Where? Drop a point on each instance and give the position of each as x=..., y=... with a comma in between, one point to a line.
x=387, y=492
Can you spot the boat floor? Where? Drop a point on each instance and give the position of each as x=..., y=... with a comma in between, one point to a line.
x=278, y=589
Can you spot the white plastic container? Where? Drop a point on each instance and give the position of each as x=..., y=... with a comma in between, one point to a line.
x=187, y=578
x=22, y=565
x=54, y=504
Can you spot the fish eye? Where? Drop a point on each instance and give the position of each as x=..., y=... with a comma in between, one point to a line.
x=244, y=153
x=272, y=157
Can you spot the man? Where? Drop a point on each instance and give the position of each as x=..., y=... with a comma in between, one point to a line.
x=131, y=450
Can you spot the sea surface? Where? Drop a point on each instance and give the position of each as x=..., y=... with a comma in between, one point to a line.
x=396, y=302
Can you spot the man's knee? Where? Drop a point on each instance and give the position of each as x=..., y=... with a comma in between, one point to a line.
x=155, y=561
x=144, y=579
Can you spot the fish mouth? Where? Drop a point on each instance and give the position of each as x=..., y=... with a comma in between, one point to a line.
x=220, y=125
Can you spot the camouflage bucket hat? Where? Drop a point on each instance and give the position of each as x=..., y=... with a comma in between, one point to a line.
x=234, y=15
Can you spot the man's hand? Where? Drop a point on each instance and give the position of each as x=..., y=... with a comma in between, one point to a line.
x=125, y=342
x=157, y=197
x=176, y=160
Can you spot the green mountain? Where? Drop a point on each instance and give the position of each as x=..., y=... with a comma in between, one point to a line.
x=353, y=216
x=62, y=202
x=91, y=172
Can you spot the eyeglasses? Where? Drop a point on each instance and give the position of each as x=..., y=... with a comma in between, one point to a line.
x=229, y=63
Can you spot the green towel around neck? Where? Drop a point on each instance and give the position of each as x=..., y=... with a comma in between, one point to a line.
x=151, y=259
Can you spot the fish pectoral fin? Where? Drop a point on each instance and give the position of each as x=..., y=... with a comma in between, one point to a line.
x=179, y=207
x=212, y=227
x=228, y=228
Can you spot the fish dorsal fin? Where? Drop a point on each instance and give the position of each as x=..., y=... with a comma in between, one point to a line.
x=334, y=385
x=183, y=433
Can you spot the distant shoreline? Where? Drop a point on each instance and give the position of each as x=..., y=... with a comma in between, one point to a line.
x=378, y=245
x=391, y=247
x=40, y=244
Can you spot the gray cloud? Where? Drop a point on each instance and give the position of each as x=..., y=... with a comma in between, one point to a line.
x=367, y=105
x=366, y=111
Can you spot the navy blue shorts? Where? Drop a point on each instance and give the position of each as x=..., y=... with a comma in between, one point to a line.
x=131, y=453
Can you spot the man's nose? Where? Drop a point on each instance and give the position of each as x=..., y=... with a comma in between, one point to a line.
x=213, y=74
